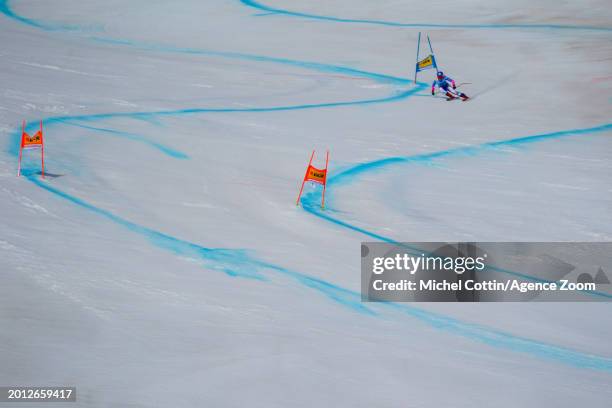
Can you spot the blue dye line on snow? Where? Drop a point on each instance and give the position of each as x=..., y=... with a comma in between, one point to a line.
x=316, y=66
x=240, y=264
x=351, y=173
x=325, y=68
x=310, y=201
x=7, y=10
x=233, y=262
x=269, y=9
x=130, y=136
x=14, y=139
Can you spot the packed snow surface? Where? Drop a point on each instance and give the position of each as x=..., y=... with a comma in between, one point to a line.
x=163, y=262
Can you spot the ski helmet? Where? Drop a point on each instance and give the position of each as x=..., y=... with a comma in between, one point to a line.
x=440, y=74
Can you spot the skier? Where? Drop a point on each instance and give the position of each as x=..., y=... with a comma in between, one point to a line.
x=447, y=84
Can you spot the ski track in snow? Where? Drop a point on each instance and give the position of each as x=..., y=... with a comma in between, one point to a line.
x=271, y=10
x=240, y=263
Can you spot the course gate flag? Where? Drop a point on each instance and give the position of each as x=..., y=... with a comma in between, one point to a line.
x=316, y=176
x=426, y=63
x=32, y=142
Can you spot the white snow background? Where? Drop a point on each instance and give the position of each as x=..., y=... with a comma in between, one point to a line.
x=163, y=261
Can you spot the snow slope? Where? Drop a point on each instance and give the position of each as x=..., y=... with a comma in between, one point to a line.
x=164, y=262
